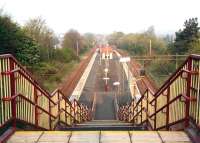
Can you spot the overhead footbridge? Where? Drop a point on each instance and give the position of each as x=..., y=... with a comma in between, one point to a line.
x=107, y=99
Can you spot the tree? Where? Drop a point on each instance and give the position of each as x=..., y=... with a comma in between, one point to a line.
x=14, y=41
x=185, y=39
x=38, y=30
x=65, y=55
x=9, y=35
x=113, y=39
x=150, y=31
x=28, y=52
x=138, y=43
x=72, y=39
x=89, y=40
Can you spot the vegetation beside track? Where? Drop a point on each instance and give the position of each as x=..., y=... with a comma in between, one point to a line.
x=48, y=56
x=184, y=42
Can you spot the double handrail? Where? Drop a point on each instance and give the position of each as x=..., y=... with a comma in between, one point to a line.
x=23, y=100
x=174, y=105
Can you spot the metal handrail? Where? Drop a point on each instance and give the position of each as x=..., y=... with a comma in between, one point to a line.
x=27, y=92
x=161, y=111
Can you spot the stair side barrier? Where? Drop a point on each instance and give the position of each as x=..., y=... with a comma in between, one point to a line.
x=23, y=100
x=174, y=105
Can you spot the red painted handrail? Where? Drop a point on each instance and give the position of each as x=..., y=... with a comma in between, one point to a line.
x=172, y=104
x=23, y=99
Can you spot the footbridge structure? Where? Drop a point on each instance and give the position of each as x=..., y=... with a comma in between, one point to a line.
x=107, y=99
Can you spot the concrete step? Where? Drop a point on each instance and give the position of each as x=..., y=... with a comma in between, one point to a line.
x=99, y=136
x=105, y=125
x=107, y=122
x=103, y=128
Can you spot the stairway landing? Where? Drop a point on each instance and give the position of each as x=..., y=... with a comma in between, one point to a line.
x=99, y=137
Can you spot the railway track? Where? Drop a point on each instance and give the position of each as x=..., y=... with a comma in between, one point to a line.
x=68, y=87
x=135, y=69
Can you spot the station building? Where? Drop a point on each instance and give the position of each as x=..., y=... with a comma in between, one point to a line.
x=106, y=52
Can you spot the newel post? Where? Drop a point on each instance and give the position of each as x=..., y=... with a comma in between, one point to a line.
x=147, y=107
x=13, y=91
x=155, y=116
x=50, y=121
x=36, y=103
x=167, y=108
x=187, y=102
x=59, y=108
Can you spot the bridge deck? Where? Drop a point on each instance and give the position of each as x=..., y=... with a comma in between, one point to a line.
x=99, y=136
x=95, y=84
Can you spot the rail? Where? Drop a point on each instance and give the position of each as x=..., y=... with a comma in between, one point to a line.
x=23, y=100
x=73, y=79
x=116, y=105
x=174, y=105
x=94, y=106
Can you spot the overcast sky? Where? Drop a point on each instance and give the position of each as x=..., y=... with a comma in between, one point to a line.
x=105, y=16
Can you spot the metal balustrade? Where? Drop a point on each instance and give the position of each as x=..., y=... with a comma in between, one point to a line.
x=174, y=105
x=22, y=99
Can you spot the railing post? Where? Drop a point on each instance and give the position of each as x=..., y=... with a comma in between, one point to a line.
x=65, y=111
x=147, y=109
x=36, y=103
x=167, y=108
x=13, y=92
x=141, y=110
x=70, y=107
x=74, y=104
x=50, y=125
x=81, y=116
x=187, y=102
x=133, y=111
x=155, y=118
x=59, y=106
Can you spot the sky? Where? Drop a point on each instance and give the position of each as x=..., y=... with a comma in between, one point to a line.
x=105, y=16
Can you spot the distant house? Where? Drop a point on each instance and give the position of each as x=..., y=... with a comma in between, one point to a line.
x=106, y=52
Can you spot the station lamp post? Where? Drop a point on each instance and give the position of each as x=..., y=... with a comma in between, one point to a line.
x=106, y=83
x=106, y=78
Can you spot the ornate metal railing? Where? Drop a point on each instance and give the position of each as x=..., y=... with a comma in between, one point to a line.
x=23, y=100
x=174, y=105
